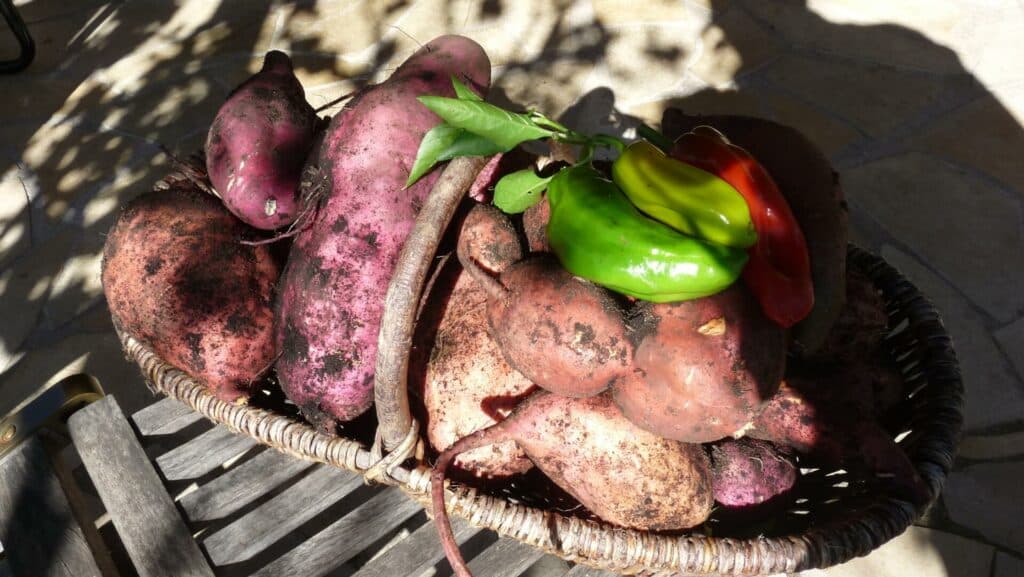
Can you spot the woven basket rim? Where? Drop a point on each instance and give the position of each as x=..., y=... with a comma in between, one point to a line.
x=629, y=551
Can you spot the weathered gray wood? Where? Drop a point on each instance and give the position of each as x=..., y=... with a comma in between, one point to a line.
x=203, y=454
x=153, y=534
x=279, y=516
x=164, y=417
x=417, y=552
x=85, y=508
x=505, y=558
x=37, y=527
x=548, y=566
x=583, y=571
x=346, y=537
x=241, y=485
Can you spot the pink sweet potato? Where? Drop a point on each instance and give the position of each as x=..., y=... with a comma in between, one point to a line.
x=331, y=299
x=747, y=474
x=258, y=143
x=703, y=368
x=488, y=239
x=178, y=279
x=564, y=333
x=622, y=474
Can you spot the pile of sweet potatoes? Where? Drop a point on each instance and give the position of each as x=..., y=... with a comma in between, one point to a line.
x=647, y=414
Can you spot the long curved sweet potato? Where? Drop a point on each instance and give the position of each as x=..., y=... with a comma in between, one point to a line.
x=330, y=304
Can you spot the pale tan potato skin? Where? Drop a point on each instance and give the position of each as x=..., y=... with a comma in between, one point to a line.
x=621, y=473
x=466, y=370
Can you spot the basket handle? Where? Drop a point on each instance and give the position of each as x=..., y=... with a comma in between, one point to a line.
x=397, y=324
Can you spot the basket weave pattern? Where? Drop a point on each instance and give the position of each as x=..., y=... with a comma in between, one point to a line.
x=933, y=417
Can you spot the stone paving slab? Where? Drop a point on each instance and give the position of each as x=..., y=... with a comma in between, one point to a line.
x=919, y=103
x=919, y=552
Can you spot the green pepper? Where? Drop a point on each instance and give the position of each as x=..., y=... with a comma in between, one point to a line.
x=599, y=235
x=690, y=200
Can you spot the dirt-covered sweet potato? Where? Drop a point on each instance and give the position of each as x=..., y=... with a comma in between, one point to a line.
x=535, y=224
x=564, y=333
x=178, y=279
x=331, y=298
x=703, y=368
x=466, y=383
x=488, y=239
x=621, y=473
x=747, y=474
x=811, y=187
x=468, y=386
x=258, y=143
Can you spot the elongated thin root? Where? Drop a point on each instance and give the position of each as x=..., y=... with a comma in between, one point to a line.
x=489, y=436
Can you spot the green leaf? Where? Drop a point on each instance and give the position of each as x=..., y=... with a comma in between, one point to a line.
x=469, y=144
x=518, y=191
x=463, y=92
x=504, y=128
x=445, y=142
x=435, y=142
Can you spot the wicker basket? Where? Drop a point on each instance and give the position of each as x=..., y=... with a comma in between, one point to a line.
x=837, y=524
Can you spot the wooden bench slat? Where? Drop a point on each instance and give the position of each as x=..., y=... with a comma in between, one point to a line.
x=241, y=485
x=505, y=558
x=37, y=527
x=345, y=538
x=164, y=417
x=583, y=571
x=152, y=531
x=417, y=552
x=203, y=454
x=279, y=516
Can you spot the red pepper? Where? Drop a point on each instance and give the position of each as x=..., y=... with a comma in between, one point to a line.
x=779, y=269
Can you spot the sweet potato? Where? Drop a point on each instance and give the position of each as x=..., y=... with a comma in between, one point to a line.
x=258, y=143
x=622, y=474
x=703, y=368
x=178, y=279
x=468, y=386
x=747, y=474
x=330, y=304
x=862, y=323
x=838, y=435
x=811, y=186
x=535, y=223
x=564, y=333
x=488, y=239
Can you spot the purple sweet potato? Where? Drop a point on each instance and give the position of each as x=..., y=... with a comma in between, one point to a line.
x=564, y=333
x=621, y=473
x=704, y=367
x=331, y=300
x=747, y=474
x=258, y=144
x=178, y=279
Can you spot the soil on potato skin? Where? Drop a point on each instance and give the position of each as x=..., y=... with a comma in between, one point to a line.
x=177, y=278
